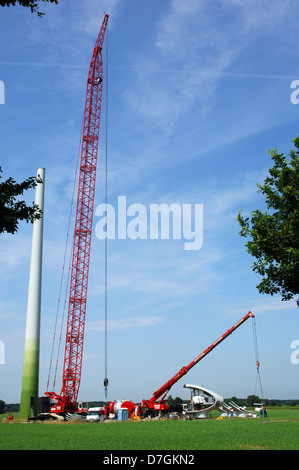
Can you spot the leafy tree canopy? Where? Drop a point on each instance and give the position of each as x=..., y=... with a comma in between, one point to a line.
x=11, y=210
x=274, y=234
x=251, y=399
x=32, y=4
x=2, y=406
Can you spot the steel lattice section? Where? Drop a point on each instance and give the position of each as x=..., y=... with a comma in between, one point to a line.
x=83, y=228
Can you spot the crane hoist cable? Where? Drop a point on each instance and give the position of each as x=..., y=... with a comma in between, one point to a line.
x=62, y=282
x=258, y=376
x=106, y=382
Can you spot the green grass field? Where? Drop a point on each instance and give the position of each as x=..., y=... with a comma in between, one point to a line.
x=279, y=431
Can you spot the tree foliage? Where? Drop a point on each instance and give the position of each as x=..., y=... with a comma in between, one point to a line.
x=251, y=399
x=32, y=4
x=2, y=406
x=12, y=210
x=274, y=234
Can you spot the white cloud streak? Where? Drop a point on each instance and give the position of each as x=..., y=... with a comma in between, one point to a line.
x=124, y=323
x=264, y=305
x=205, y=47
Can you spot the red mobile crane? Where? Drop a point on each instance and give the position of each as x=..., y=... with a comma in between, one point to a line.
x=158, y=402
x=66, y=401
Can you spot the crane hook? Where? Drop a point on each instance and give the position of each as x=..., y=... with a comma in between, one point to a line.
x=106, y=386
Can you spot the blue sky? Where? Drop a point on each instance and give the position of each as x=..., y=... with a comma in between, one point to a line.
x=198, y=93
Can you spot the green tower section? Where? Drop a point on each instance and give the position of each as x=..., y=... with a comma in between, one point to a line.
x=29, y=394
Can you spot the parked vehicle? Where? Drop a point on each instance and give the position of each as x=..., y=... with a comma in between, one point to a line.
x=95, y=414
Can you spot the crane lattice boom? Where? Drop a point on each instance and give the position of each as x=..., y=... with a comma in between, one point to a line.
x=82, y=231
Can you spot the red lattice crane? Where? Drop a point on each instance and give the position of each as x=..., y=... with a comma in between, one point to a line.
x=66, y=401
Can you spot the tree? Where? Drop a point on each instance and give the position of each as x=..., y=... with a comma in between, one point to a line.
x=33, y=5
x=178, y=401
x=170, y=400
x=11, y=210
x=235, y=400
x=251, y=399
x=2, y=406
x=274, y=234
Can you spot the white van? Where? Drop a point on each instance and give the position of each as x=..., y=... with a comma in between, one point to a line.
x=95, y=414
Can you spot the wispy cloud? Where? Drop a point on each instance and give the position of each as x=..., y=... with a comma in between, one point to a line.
x=91, y=14
x=14, y=252
x=205, y=49
x=161, y=270
x=263, y=305
x=124, y=323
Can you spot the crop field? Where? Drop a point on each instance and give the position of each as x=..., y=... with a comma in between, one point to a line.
x=279, y=431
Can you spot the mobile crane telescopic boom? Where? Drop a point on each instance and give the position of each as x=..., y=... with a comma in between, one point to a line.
x=157, y=402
